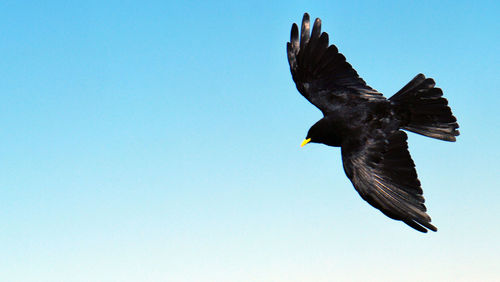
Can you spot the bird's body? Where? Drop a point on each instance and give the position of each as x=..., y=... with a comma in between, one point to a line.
x=367, y=126
x=351, y=120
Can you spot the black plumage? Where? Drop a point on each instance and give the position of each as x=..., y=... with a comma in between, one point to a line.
x=367, y=126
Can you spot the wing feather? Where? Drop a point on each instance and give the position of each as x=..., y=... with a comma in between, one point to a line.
x=318, y=68
x=384, y=174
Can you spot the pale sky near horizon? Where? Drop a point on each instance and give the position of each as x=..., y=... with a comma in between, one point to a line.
x=159, y=141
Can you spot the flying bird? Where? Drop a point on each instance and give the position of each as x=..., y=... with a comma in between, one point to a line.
x=367, y=126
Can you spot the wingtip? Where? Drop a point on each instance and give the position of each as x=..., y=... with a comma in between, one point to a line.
x=305, y=17
x=304, y=31
x=431, y=227
x=305, y=23
x=316, y=31
x=317, y=21
x=420, y=226
x=294, y=34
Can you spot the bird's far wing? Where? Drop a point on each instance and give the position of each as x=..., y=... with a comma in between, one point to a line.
x=383, y=173
x=320, y=72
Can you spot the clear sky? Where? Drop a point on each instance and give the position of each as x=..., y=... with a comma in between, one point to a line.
x=159, y=141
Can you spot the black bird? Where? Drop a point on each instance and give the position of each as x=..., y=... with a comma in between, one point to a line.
x=367, y=126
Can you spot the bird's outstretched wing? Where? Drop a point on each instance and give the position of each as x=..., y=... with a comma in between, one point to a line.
x=320, y=72
x=383, y=173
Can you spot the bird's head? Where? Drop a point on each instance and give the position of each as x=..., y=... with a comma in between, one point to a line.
x=323, y=131
x=315, y=133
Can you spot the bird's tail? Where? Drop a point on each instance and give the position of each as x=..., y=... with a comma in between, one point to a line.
x=423, y=110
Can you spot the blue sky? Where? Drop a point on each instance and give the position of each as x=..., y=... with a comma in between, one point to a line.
x=159, y=141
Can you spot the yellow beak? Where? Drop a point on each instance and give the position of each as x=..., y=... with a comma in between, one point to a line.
x=305, y=142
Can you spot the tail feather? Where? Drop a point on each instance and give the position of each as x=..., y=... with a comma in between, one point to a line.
x=423, y=110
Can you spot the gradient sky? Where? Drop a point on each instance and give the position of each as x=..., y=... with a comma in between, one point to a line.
x=159, y=141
